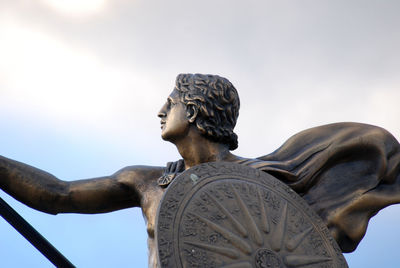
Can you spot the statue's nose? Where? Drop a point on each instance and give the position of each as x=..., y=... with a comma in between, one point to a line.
x=163, y=112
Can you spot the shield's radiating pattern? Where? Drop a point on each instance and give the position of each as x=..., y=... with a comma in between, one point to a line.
x=229, y=215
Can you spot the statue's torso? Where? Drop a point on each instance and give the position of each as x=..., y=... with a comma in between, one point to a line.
x=150, y=201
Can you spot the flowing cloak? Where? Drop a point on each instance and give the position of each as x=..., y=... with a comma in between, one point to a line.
x=346, y=172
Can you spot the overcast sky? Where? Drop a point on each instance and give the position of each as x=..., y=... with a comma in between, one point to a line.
x=81, y=82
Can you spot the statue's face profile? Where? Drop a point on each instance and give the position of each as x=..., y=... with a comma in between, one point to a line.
x=174, y=121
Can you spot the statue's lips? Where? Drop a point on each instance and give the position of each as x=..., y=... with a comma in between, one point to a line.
x=162, y=124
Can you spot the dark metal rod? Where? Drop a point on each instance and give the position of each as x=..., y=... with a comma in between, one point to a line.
x=33, y=236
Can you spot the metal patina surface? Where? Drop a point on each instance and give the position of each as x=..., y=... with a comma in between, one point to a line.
x=229, y=215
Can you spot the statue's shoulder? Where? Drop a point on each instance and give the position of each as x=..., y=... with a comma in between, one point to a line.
x=254, y=162
x=139, y=174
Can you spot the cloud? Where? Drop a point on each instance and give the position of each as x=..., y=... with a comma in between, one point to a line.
x=59, y=82
x=77, y=7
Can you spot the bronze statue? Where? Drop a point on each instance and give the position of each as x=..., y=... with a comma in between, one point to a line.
x=346, y=172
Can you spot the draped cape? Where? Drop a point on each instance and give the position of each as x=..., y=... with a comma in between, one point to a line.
x=346, y=172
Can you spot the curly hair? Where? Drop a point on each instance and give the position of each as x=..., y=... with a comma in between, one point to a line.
x=218, y=105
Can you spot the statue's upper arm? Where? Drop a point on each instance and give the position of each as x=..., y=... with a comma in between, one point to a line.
x=139, y=179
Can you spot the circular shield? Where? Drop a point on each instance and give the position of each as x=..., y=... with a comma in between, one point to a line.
x=228, y=215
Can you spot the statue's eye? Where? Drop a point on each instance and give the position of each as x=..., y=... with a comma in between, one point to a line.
x=171, y=103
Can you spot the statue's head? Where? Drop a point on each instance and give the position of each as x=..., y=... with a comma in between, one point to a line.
x=215, y=103
x=208, y=102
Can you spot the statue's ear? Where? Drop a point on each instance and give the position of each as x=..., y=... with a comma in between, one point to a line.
x=191, y=112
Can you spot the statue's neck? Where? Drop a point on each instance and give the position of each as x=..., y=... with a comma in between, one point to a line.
x=196, y=149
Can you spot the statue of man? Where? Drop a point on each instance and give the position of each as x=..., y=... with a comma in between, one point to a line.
x=199, y=117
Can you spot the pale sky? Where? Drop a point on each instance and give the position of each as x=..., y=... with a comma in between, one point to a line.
x=81, y=83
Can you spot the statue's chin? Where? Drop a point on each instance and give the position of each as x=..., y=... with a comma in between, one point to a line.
x=166, y=137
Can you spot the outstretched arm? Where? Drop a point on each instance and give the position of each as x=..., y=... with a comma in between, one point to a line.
x=43, y=191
